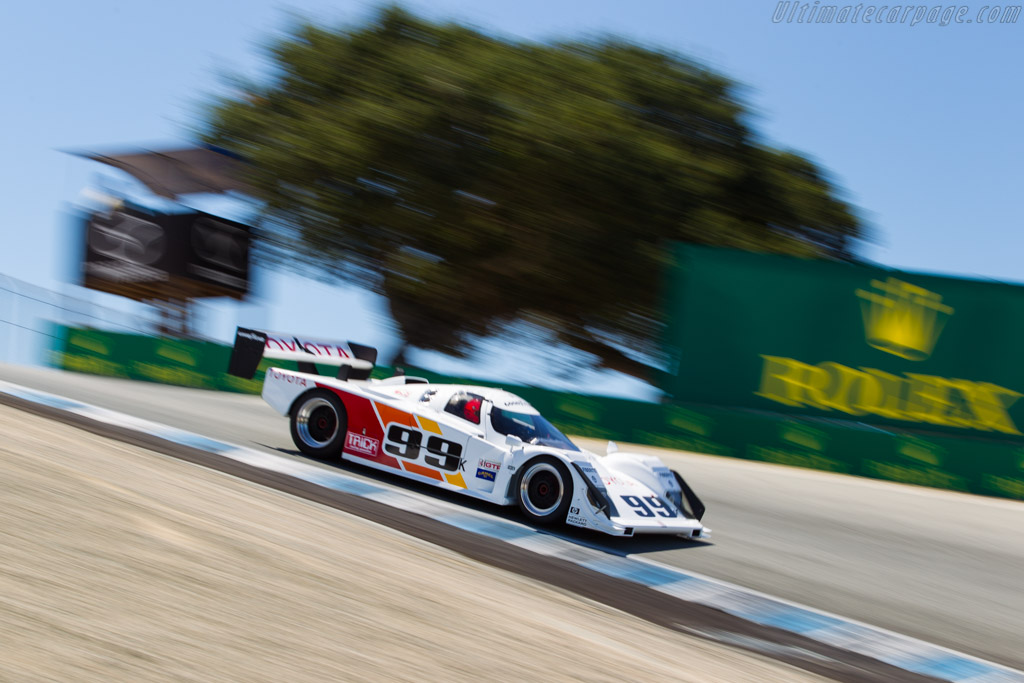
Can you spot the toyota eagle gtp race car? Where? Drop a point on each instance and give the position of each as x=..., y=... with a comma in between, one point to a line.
x=482, y=442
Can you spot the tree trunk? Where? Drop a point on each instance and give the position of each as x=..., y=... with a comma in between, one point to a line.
x=399, y=360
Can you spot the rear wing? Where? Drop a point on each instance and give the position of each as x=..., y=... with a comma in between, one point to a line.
x=354, y=361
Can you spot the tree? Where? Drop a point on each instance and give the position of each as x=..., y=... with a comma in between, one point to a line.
x=476, y=181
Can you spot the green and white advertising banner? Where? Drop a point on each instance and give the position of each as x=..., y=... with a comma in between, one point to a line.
x=188, y=363
x=849, y=341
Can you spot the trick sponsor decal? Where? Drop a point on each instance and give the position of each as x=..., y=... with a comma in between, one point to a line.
x=490, y=465
x=486, y=475
x=359, y=443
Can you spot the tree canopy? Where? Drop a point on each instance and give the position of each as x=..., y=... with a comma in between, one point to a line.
x=474, y=180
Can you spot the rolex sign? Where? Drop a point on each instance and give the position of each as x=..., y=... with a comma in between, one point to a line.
x=847, y=341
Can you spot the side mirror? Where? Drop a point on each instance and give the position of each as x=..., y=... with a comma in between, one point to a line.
x=612, y=448
x=513, y=441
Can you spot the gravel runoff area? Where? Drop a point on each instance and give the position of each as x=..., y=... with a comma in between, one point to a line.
x=119, y=564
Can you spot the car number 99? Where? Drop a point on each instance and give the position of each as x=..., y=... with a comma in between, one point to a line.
x=403, y=442
x=648, y=507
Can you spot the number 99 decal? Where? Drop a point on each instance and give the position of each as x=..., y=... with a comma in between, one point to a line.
x=443, y=454
x=640, y=506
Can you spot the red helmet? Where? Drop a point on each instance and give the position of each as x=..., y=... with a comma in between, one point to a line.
x=472, y=410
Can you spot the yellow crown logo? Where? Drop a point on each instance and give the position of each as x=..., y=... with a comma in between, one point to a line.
x=902, y=319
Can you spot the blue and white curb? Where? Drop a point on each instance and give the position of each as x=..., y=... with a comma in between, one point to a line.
x=892, y=648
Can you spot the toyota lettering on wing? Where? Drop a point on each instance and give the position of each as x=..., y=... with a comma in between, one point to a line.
x=360, y=443
x=296, y=345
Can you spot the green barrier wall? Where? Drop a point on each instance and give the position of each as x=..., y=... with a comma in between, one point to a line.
x=170, y=361
x=977, y=465
x=828, y=339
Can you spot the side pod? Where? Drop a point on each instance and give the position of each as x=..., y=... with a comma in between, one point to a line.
x=604, y=503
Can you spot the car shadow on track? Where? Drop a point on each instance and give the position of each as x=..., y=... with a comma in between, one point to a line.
x=636, y=545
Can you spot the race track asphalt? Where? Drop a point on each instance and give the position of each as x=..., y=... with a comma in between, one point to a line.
x=943, y=567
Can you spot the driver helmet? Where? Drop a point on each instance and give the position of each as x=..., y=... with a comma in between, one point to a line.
x=471, y=410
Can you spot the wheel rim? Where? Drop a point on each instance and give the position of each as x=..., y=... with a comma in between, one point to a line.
x=541, y=489
x=317, y=422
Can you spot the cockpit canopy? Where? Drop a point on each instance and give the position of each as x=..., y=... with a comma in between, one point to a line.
x=531, y=428
x=497, y=412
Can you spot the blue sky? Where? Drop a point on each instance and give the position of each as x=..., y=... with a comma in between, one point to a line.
x=920, y=124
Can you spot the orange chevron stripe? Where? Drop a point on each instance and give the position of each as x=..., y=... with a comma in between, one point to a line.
x=420, y=469
x=389, y=415
x=429, y=425
x=456, y=479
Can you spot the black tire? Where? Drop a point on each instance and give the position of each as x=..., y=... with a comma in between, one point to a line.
x=319, y=423
x=544, y=490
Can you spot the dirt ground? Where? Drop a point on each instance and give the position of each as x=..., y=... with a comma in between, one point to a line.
x=118, y=564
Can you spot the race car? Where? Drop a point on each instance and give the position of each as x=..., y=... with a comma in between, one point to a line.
x=483, y=442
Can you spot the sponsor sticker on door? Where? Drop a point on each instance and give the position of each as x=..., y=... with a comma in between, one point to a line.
x=360, y=443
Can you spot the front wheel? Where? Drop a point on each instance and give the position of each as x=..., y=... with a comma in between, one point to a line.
x=319, y=424
x=544, y=490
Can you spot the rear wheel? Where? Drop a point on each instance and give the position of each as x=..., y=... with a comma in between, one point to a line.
x=319, y=424
x=544, y=490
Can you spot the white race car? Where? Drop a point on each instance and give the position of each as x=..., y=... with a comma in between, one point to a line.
x=483, y=442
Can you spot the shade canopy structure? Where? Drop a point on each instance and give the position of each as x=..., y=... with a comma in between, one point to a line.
x=177, y=172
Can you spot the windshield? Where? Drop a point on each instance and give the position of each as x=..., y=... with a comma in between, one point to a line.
x=532, y=429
